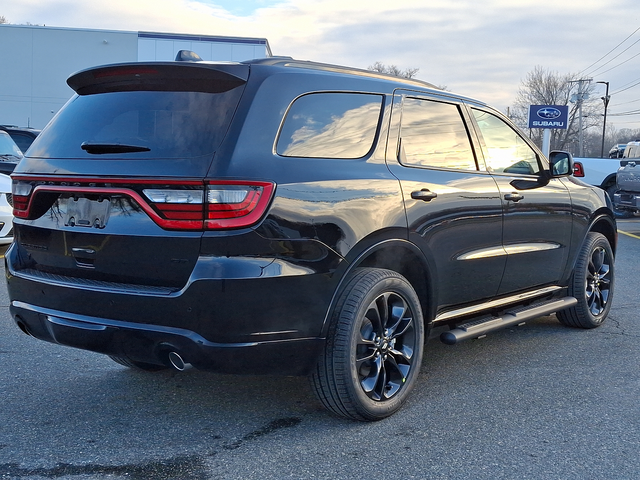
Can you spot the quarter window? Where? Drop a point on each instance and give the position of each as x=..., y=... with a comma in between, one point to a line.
x=433, y=134
x=505, y=151
x=330, y=125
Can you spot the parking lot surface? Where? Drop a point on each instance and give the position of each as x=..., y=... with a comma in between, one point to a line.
x=540, y=401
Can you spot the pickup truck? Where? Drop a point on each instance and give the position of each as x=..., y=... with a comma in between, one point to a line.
x=601, y=172
x=627, y=196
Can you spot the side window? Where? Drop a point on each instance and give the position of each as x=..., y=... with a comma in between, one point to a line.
x=505, y=150
x=23, y=141
x=330, y=125
x=433, y=134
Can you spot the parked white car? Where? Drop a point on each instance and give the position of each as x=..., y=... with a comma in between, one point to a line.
x=6, y=210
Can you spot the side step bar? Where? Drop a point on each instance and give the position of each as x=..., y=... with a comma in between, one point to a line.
x=478, y=328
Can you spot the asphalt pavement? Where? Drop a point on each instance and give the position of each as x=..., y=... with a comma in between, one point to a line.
x=541, y=401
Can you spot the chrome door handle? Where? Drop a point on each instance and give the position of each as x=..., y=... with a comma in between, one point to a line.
x=513, y=197
x=425, y=195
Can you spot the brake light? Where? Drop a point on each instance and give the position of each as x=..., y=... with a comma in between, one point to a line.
x=236, y=204
x=173, y=205
x=20, y=195
x=125, y=71
x=578, y=169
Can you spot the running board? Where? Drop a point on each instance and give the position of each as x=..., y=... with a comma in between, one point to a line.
x=478, y=328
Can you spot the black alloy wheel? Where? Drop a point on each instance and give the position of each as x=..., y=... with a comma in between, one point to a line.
x=374, y=348
x=591, y=284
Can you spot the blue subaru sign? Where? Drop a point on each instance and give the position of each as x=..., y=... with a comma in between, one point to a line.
x=548, y=116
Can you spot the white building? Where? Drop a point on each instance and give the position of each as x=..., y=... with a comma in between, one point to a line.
x=36, y=61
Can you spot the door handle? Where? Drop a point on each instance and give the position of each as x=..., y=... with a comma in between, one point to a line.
x=513, y=197
x=425, y=195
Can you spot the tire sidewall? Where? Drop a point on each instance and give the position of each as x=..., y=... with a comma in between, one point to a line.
x=593, y=241
x=394, y=284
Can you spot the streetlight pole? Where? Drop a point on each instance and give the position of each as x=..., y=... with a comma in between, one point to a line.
x=605, y=99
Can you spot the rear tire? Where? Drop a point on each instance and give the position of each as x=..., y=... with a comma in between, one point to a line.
x=147, y=367
x=591, y=284
x=374, y=347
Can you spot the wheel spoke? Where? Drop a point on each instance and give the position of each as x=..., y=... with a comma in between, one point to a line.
x=372, y=371
x=405, y=354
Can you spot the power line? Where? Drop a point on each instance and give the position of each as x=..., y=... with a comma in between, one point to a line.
x=622, y=63
x=606, y=63
x=627, y=88
x=614, y=48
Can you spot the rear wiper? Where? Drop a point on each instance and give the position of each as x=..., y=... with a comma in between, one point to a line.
x=100, y=148
x=7, y=156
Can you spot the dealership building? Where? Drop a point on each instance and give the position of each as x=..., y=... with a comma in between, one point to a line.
x=35, y=61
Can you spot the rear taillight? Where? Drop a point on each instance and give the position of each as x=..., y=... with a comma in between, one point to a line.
x=578, y=169
x=20, y=193
x=236, y=204
x=172, y=205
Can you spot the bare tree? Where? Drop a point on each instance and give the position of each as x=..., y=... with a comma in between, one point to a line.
x=543, y=87
x=3, y=19
x=393, y=70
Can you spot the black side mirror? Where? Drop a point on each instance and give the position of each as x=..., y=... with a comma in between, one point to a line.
x=560, y=163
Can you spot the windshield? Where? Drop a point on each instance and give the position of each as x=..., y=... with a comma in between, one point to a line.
x=8, y=148
x=138, y=125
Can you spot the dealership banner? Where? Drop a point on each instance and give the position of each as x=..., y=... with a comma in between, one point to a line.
x=548, y=116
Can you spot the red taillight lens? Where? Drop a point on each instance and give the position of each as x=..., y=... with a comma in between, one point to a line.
x=578, y=169
x=236, y=204
x=21, y=193
x=173, y=205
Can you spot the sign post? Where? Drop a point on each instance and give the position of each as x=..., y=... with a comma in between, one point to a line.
x=548, y=117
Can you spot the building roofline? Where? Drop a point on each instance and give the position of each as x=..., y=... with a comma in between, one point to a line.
x=160, y=35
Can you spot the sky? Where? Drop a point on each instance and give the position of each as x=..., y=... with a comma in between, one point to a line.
x=479, y=48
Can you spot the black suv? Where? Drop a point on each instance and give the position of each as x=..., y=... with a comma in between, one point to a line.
x=279, y=216
x=23, y=136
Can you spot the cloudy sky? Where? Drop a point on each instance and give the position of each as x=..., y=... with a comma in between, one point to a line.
x=480, y=48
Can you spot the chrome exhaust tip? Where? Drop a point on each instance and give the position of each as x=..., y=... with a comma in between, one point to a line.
x=177, y=362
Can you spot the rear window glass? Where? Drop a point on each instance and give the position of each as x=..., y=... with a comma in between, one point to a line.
x=163, y=124
x=330, y=125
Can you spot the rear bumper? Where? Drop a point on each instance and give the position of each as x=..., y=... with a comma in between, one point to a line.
x=243, y=319
x=627, y=200
x=153, y=343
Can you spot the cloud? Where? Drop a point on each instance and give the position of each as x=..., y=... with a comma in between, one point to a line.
x=481, y=49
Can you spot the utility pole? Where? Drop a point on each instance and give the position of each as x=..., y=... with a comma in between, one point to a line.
x=605, y=99
x=579, y=98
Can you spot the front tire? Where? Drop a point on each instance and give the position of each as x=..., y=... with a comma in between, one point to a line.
x=374, y=347
x=591, y=284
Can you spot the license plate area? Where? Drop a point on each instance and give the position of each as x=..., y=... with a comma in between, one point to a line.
x=88, y=213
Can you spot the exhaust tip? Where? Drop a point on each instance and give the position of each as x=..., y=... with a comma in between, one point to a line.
x=177, y=362
x=23, y=326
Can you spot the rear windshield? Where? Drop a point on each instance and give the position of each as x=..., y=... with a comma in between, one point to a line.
x=139, y=125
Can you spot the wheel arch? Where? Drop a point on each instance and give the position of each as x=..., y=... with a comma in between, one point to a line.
x=400, y=256
x=604, y=224
x=609, y=181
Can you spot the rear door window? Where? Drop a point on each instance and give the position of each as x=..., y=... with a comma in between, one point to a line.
x=433, y=134
x=330, y=125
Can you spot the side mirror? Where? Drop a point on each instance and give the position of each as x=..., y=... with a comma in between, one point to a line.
x=560, y=163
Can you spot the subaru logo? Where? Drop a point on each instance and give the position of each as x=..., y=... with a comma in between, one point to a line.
x=549, y=113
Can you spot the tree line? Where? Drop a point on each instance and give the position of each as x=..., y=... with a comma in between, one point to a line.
x=544, y=87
